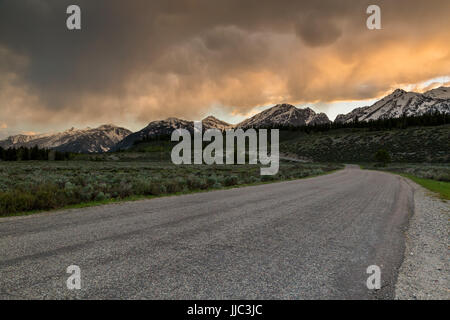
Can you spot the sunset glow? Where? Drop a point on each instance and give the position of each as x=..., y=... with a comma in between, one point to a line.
x=133, y=64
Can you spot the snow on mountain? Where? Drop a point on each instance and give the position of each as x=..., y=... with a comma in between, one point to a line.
x=439, y=93
x=214, y=123
x=87, y=140
x=284, y=115
x=165, y=127
x=401, y=103
x=19, y=139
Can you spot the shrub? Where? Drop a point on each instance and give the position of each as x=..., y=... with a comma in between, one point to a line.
x=87, y=193
x=142, y=187
x=173, y=187
x=216, y=186
x=157, y=189
x=70, y=190
x=231, y=180
x=125, y=189
x=382, y=156
x=48, y=196
x=100, y=196
x=267, y=178
x=253, y=179
x=212, y=180
x=194, y=183
x=16, y=201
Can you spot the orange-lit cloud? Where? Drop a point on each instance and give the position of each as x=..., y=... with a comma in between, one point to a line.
x=144, y=60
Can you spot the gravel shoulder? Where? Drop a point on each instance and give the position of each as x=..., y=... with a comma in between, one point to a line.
x=425, y=271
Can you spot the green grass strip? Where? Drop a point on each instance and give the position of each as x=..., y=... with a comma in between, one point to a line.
x=441, y=187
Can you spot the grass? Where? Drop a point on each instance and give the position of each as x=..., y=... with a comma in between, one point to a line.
x=30, y=187
x=434, y=177
x=350, y=145
x=141, y=197
x=440, y=187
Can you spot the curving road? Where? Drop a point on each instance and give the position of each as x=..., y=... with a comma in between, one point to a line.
x=303, y=239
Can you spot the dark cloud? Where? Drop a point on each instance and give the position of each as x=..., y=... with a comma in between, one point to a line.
x=316, y=32
x=144, y=59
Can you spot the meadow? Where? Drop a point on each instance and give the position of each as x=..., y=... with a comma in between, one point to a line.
x=45, y=185
x=433, y=171
x=434, y=177
x=356, y=145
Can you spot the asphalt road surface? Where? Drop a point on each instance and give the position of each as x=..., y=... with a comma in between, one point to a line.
x=305, y=239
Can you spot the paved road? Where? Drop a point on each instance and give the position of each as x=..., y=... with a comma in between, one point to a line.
x=311, y=238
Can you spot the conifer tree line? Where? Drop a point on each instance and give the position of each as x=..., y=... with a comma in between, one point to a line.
x=429, y=119
x=33, y=153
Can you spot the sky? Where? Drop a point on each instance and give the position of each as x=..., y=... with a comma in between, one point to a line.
x=138, y=61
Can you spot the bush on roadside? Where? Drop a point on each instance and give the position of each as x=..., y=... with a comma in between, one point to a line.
x=383, y=157
x=231, y=181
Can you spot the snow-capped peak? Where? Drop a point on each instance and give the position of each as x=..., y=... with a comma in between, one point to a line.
x=284, y=115
x=401, y=103
x=439, y=93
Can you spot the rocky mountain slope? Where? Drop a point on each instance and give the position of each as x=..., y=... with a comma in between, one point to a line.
x=402, y=103
x=284, y=115
x=89, y=140
x=212, y=122
x=165, y=127
x=439, y=93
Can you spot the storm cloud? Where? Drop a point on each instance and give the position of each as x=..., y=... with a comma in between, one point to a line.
x=140, y=60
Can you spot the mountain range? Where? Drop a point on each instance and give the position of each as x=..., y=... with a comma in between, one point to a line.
x=165, y=127
x=89, y=140
x=111, y=138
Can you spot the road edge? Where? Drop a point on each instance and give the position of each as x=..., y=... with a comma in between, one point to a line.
x=424, y=272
